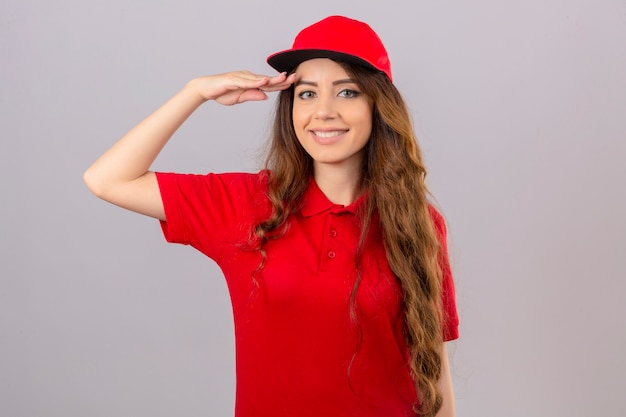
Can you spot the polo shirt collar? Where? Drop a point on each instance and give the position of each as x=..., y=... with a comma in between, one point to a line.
x=314, y=202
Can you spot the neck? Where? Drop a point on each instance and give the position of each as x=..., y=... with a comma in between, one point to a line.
x=339, y=184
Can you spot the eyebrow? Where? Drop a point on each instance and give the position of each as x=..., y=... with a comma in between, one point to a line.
x=314, y=84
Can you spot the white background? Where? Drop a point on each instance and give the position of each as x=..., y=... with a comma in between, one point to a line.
x=520, y=108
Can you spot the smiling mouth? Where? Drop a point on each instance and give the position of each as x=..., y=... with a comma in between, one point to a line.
x=328, y=134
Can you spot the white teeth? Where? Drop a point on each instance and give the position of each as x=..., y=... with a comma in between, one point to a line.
x=328, y=134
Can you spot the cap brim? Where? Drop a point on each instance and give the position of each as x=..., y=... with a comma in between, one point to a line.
x=288, y=60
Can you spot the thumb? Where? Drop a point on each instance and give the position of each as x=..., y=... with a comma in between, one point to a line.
x=252, y=95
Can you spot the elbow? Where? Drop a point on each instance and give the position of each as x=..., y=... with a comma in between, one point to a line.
x=94, y=182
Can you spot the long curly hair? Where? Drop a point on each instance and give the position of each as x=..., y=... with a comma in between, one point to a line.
x=394, y=175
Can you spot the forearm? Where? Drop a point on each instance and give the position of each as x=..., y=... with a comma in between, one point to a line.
x=131, y=157
x=445, y=386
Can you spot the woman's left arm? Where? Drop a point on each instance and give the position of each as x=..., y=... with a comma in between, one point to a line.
x=445, y=386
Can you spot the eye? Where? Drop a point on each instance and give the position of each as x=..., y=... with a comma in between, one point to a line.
x=348, y=93
x=306, y=94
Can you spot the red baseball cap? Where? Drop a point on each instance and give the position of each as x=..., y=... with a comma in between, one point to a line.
x=335, y=37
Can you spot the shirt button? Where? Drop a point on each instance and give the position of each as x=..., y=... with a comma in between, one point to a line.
x=333, y=233
x=331, y=254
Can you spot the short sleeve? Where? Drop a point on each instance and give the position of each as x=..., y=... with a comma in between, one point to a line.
x=450, y=315
x=210, y=211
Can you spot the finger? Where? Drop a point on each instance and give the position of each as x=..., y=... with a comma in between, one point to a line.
x=246, y=82
x=278, y=85
x=252, y=80
x=248, y=75
x=278, y=79
x=275, y=88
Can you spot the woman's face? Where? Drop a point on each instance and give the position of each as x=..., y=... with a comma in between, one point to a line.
x=331, y=117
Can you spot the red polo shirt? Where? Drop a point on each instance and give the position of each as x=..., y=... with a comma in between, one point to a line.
x=298, y=351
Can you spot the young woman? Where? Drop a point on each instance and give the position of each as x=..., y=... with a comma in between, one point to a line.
x=335, y=261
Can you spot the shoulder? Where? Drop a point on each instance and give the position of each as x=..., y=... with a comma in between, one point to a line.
x=258, y=180
x=438, y=220
x=224, y=192
x=251, y=181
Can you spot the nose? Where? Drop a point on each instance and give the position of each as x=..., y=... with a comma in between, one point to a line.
x=325, y=107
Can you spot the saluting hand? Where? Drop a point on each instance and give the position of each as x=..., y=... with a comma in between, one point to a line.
x=240, y=86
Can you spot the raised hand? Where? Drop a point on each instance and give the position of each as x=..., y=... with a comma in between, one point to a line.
x=240, y=86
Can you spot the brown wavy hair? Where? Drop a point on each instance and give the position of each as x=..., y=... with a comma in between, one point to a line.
x=394, y=174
